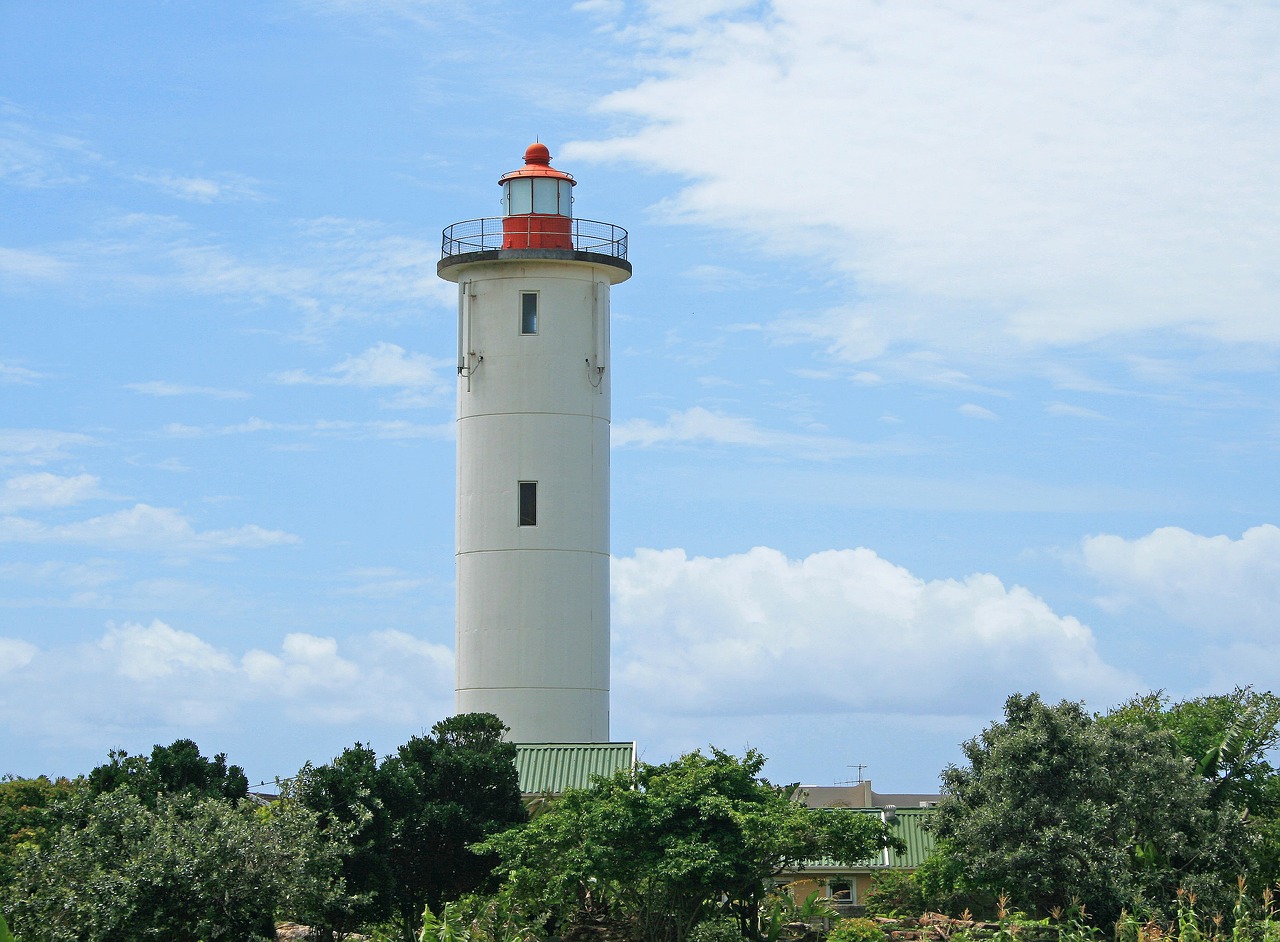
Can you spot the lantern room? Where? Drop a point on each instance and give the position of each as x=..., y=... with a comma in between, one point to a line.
x=537, y=202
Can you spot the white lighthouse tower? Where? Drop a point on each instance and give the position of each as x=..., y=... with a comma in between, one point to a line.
x=533, y=457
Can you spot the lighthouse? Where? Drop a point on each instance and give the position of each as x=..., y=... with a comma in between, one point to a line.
x=533, y=457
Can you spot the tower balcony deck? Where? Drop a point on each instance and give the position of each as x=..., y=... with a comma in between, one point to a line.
x=525, y=237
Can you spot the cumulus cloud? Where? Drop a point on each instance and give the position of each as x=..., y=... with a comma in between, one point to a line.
x=1225, y=586
x=142, y=528
x=154, y=651
x=42, y=489
x=151, y=682
x=1048, y=175
x=836, y=632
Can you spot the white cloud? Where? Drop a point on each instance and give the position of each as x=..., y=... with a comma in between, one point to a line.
x=36, y=159
x=329, y=271
x=142, y=528
x=12, y=373
x=974, y=411
x=328, y=428
x=152, y=682
x=161, y=388
x=1074, y=412
x=35, y=266
x=838, y=631
x=1229, y=587
x=154, y=651
x=698, y=426
x=37, y=446
x=43, y=489
x=384, y=365
x=1047, y=174
x=224, y=188
x=15, y=654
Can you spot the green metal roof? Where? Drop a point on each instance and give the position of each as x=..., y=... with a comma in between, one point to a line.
x=553, y=767
x=910, y=827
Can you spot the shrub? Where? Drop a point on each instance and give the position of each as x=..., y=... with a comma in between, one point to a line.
x=894, y=893
x=721, y=929
x=856, y=929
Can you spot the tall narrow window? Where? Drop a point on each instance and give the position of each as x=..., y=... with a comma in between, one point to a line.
x=528, y=312
x=528, y=503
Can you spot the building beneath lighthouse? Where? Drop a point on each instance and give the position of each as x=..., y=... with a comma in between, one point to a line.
x=533, y=457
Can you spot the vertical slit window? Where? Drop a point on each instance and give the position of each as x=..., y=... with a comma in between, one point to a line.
x=528, y=503
x=528, y=312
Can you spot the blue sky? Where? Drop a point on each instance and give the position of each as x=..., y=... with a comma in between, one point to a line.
x=948, y=368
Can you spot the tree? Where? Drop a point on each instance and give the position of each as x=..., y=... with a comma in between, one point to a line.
x=176, y=768
x=1228, y=738
x=345, y=798
x=443, y=793
x=25, y=816
x=661, y=845
x=1055, y=804
x=188, y=869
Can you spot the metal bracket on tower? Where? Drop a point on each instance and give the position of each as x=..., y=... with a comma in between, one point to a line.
x=468, y=360
x=600, y=331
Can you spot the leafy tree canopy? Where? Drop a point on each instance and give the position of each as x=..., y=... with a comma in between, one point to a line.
x=443, y=793
x=1055, y=804
x=346, y=798
x=187, y=869
x=172, y=769
x=24, y=816
x=1229, y=737
x=661, y=845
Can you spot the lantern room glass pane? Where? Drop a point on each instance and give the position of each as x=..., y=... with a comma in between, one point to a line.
x=519, y=196
x=544, y=195
x=566, y=198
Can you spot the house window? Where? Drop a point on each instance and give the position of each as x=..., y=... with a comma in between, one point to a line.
x=528, y=503
x=528, y=312
x=840, y=891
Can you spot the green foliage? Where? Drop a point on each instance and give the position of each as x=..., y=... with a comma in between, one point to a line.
x=345, y=799
x=1055, y=805
x=894, y=893
x=1228, y=738
x=477, y=918
x=856, y=929
x=190, y=869
x=719, y=929
x=779, y=912
x=25, y=817
x=444, y=793
x=5, y=935
x=178, y=768
x=392, y=840
x=659, y=846
x=945, y=888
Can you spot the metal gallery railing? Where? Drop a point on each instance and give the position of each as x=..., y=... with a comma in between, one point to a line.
x=496, y=232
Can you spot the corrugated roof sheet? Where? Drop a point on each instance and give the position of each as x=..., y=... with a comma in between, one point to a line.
x=550, y=767
x=910, y=826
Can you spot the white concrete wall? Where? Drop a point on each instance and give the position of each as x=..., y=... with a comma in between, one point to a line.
x=533, y=602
